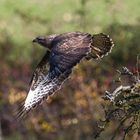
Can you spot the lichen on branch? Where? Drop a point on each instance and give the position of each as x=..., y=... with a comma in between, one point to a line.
x=124, y=105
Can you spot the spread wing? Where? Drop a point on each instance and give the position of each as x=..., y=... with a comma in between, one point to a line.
x=42, y=85
x=67, y=50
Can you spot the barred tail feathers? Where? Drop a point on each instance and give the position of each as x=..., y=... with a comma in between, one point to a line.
x=101, y=45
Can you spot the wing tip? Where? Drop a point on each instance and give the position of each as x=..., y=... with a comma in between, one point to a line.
x=21, y=113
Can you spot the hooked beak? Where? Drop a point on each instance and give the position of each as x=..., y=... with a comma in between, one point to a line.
x=34, y=40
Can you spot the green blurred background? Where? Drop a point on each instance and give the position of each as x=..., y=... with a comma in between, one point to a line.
x=72, y=113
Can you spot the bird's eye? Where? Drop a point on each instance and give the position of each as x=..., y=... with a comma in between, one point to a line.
x=40, y=38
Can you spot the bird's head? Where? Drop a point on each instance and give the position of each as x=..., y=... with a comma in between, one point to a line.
x=40, y=40
x=45, y=41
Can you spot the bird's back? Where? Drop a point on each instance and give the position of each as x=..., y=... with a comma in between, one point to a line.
x=70, y=40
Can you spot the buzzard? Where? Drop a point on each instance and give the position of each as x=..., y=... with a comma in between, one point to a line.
x=63, y=52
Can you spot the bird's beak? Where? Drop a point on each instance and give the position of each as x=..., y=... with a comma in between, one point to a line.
x=34, y=40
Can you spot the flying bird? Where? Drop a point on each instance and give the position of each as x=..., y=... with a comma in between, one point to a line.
x=63, y=52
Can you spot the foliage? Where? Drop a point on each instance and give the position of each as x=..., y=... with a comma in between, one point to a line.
x=72, y=113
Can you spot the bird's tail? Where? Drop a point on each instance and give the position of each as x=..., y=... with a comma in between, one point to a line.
x=101, y=46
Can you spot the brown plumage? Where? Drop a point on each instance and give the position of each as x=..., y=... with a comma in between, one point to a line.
x=64, y=51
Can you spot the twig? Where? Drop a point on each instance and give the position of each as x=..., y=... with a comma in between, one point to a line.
x=121, y=123
x=127, y=130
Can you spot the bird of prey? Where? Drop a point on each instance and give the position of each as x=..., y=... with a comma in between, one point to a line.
x=63, y=52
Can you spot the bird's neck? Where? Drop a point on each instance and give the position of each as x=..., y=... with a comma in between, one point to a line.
x=46, y=44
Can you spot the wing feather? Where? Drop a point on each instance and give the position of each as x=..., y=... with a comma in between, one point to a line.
x=68, y=49
x=40, y=70
x=42, y=86
x=35, y=97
